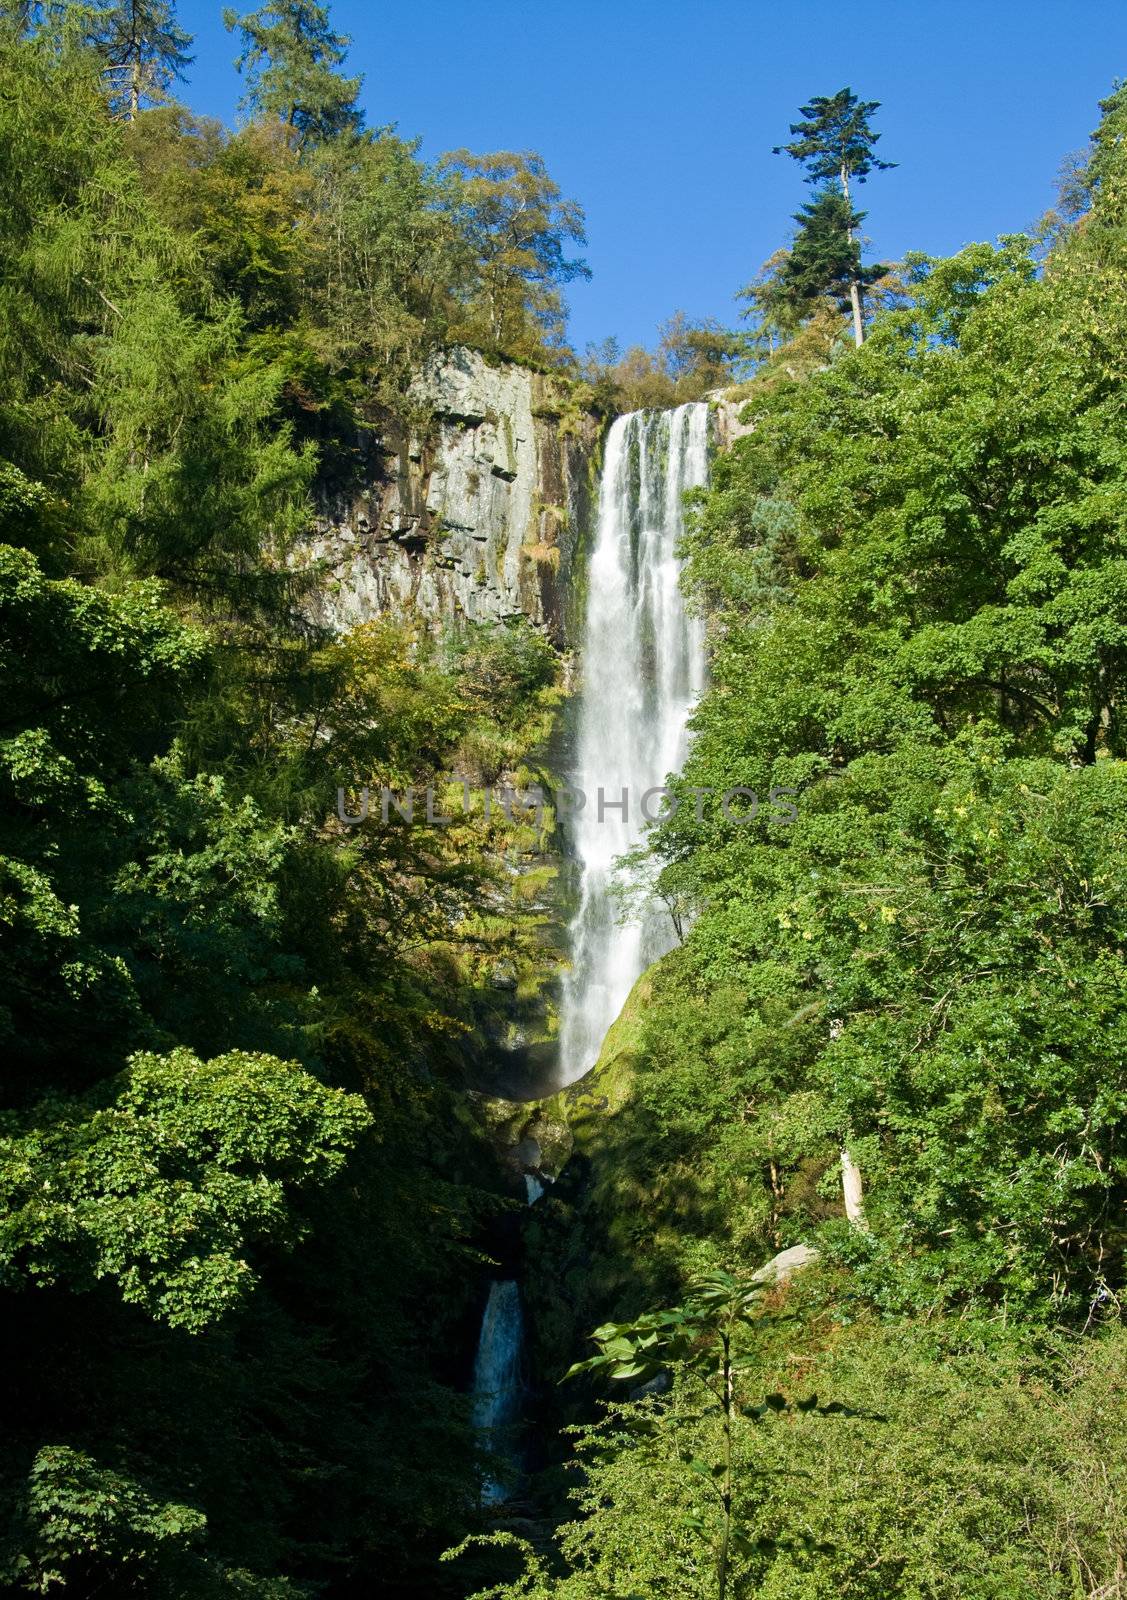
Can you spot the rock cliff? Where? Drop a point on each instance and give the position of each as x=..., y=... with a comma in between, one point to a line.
x=478, y=515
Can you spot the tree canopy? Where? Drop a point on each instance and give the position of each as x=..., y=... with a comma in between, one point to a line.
x=291, y=59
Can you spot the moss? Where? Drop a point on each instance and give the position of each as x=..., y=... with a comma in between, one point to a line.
x=600, y=1094
x=508, y=1123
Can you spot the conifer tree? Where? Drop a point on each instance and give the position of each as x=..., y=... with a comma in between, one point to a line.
x=825, y=258
x=291, y=59
x=835, y=143
x=144, y=48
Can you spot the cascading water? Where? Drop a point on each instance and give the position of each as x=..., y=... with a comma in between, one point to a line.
x=643, y=669
x=496, y=1376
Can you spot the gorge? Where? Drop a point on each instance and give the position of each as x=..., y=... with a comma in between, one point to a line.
x=493, y=1201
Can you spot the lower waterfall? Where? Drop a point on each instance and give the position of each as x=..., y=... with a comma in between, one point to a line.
x=496, y=1377
x=643, y=669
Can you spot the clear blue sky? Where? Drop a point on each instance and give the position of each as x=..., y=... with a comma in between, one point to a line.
x=659, y=117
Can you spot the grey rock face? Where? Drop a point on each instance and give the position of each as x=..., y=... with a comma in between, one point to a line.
x=726, y=413
x=479, y=519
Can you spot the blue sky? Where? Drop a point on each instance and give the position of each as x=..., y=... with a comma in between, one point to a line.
x=659, y=117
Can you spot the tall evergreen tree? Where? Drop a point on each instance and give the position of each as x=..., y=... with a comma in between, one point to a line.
x=826, y=257
x=290, y=59
x=836, y=143
x=144, y=48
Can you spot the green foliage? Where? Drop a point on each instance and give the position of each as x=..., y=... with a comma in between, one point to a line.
x=128, y=398
x=700, y=1341
x=243, y=1192
x=290, y=58
x=924, y=1482
x=771, y=306
x=698, y=1439
x=81, y=1521
x=518, y=227
x=504, y=670
x=920, y=626
x=164, y=1187
x=911, y=569
x=693, y=357
x=825, y=258
x=835, y=140
x=81, y=1510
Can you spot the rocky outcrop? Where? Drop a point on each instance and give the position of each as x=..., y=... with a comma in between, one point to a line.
x=727, y=413
x=476, y=516
x=785, y=1264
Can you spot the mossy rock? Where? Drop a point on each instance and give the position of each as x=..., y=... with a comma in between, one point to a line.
x=512, y=1123
x=578, y=1118
x=606, y=1089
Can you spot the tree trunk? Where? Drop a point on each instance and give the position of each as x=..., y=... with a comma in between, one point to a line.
x=855, y=302
x=851, y=1191
x=854, y=287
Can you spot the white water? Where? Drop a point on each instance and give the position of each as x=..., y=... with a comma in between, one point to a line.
x=643, y=669
x=496, y=1376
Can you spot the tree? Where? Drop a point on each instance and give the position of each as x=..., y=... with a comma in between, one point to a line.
x=698, y=354
x=825, y=258
x=290, y=59
x=144, y=50
x=836, y=143
x=770, y=305
x=518, y=225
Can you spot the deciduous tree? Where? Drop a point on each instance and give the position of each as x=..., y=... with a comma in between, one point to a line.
x=518, y=227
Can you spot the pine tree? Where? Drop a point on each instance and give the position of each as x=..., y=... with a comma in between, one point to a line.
x=825, y=258
x=290, y=59
x=144, y=48
x=835, y=143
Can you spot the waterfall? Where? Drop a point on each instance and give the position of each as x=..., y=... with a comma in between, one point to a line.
x=496, y=1377
x=643, y=669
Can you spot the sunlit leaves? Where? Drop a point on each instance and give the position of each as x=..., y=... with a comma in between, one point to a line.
x=164, y=1187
